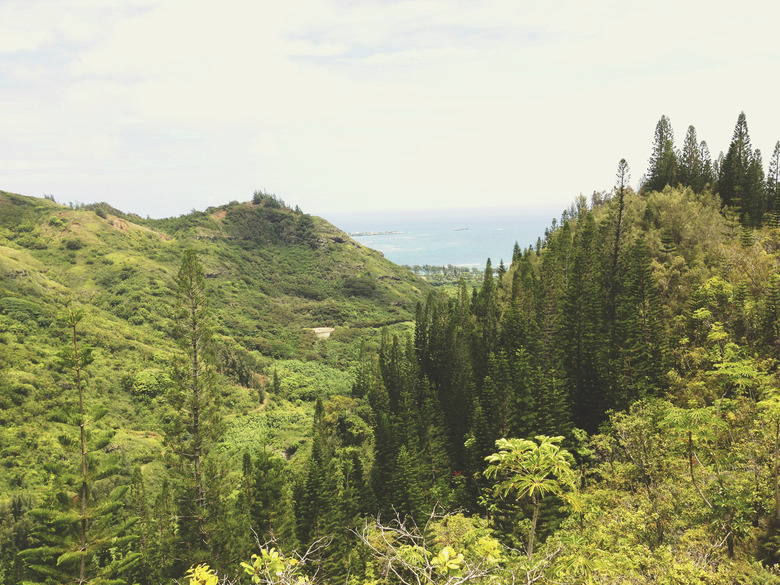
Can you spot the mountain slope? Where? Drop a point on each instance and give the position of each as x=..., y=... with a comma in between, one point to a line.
x=273, y=274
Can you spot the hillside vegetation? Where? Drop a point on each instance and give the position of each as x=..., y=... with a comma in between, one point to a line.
x=605, y=409
x=272, y=275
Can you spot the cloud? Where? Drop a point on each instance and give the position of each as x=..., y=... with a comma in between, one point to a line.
x=348, y=104
x=15, y=41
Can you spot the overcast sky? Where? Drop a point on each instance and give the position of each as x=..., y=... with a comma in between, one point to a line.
x=163, y=106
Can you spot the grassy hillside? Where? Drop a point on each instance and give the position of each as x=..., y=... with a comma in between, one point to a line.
x=273, y=275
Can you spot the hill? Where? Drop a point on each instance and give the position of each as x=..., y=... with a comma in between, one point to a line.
x=604, y=409
x=273, y=276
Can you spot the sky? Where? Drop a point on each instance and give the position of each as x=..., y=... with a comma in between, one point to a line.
x=159, y=107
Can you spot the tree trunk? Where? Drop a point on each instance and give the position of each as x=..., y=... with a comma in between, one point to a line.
x=777, y=481
x=82, y=425
x=532, y=532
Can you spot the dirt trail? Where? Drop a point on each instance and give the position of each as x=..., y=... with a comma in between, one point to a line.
x=261, y=407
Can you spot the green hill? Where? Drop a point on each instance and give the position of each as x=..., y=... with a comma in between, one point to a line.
x=273, y=275
x=625, y=368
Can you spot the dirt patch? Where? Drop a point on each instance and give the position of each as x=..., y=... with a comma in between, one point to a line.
x=219, y=215
x=124, y=226
x=322, y=332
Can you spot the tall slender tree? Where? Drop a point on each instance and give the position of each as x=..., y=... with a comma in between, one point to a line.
x=708, y=172
x=662, y=170
x=75, y=530
x=78, y=361
x=623, y=177
x=773, y=181
x=195, y=423
x=734, y=168
x=691, y=164
x=755, y=198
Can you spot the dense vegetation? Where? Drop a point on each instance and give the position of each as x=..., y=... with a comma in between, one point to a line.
x=604, y=409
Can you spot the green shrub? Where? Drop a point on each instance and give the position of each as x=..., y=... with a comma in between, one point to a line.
x=150, y=383
x=23, y=310
x=74, y=244
x=359, y=286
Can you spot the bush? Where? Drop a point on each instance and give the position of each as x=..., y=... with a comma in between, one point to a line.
x=359, y=286
x=74, y=244
x=150, y=383
x=23, y=310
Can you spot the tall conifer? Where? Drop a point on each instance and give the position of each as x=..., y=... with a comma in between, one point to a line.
x=74, y=529
x=663, y=165
x=755, y=197
x=734, y=167
x=195, y=423
x=691, y=168
x=773, y=181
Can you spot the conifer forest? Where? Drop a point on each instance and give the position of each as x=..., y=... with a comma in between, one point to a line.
x=247, y=395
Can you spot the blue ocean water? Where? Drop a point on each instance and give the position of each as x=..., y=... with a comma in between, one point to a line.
x=461, y=237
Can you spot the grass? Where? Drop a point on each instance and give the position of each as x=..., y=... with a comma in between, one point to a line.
x=272, y=275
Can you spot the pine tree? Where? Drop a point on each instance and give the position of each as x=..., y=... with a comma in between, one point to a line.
x=709, y=174
x=77, y=362
x=580, y=334
x=407, y=497
x=623, y=177
x=337, y=518
x=643, y=347
x=503, y=400
x=312, y=500
x=516, y=255
x=486, y=311
x=267, y=482
x=691, y=170
x=74, y=529
x=734, y=167
x=554, y=412
x=525, y=383
x=384, y=450
x=773, y=182
x=755, y=191
x=434, y=460
x=662, y=170
x=195, y=423
x=55, y=532
x=608, y=353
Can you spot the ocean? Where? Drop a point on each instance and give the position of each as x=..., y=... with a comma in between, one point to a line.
x=461, y=237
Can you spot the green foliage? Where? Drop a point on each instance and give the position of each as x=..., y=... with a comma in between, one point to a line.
x=24, y=311
x=307, y=380
x=82, y=519
x=359, y=286
x=663, y=169
x=533, y=470
x=446, y=550
x=74, y=244
x=628, y=299
x=271, y=567
x=150, y=383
